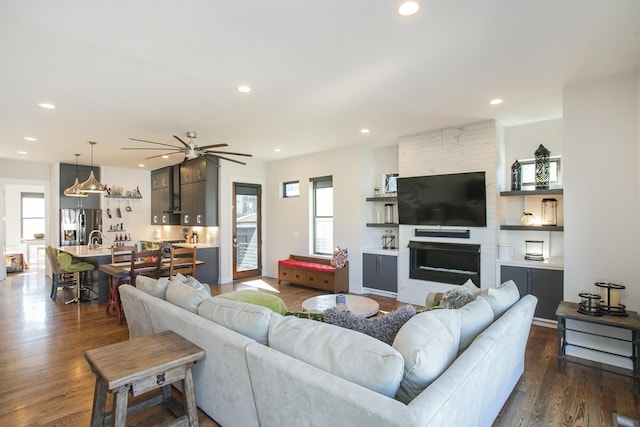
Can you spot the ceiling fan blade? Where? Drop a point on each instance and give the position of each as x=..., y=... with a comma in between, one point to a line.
x=183, y=143
x=151, y=148
x=151, y=142
x=227, y=152
x=161, y=155
x=225, y=158
x=213, y=146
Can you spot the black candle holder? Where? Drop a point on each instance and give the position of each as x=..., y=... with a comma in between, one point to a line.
x=608, y=308
x=590, y=304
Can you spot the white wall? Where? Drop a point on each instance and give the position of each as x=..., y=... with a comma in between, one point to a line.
x=465, y=148
x=602, y=187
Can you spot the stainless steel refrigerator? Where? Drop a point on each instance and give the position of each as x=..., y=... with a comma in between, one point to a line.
x=77, y=224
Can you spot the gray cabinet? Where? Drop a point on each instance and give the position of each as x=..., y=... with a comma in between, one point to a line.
x=68, y=177
x=199, y=193
x=547, y=285
x=162, y=197
x=380, y=272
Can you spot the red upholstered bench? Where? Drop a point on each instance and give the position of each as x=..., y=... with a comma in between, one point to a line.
x=314, y=272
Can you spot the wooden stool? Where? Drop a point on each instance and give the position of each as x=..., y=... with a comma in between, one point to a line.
x=142, y=365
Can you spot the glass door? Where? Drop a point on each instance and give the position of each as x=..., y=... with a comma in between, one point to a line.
x=247, y=230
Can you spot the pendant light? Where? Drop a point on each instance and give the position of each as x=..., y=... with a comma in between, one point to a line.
x=92, y=185
x=74, y=190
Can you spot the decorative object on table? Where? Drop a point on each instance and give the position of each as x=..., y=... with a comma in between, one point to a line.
x=527, y=219
x=516, y=181
x=389, y=183
x=542, y=168
x=549, y=211
x=589, y=304
x=388, y=240
x=611, y=297
x=534, y=250
x=388, y=213
x=341, y=299
x=376, y=191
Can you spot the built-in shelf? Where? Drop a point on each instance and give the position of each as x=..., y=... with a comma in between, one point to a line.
x=382, y=199
x=549, y=191
x=383, y=225
x=533, y=227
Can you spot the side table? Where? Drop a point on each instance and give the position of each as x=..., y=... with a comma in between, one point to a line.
x=569, y=310
x=139, y=366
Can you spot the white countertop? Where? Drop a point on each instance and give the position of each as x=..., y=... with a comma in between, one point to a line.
x=83, y=251
x=192, y=245
x=379, y=251
x=548, y=263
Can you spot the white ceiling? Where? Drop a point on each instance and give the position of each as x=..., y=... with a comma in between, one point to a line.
x=320, y=70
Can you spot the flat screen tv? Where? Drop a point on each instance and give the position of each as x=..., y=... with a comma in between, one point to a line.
x=458, y=199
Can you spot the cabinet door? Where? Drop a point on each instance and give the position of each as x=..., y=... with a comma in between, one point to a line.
x=199, y=202
x=185, y=174
x=549, y=288
x=519, y=275
x=186, y=197
x=380, y=272
x=198, y=170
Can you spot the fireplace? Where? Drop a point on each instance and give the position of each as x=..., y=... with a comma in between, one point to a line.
x=451, y=263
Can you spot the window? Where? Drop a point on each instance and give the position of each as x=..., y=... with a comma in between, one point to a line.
x=528, y=172
x=32, y=214
x=322, y=215
x=291, y=189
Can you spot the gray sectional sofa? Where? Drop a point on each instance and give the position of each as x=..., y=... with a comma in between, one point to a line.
x=446, y=367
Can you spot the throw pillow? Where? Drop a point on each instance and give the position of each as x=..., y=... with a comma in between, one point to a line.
x=151, y=286
x=193, y=282
x=475, y=317
x=502, y=297
x=339, y=258
x=428, y=343
x=264, y=299
x=342, y=352
x=456, y=298
x=383, y=328
x=185, y=296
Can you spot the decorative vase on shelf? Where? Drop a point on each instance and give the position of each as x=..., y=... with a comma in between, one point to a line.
x=515, y=176
x=527, y=219
x=542, y=168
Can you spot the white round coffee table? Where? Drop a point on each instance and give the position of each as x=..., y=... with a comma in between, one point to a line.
x=360, y=306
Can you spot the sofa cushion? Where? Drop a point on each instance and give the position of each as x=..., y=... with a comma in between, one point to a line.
x=193, y=282
x=263, y=299
x=339, y=257
x=151, y=286
x=475, y=317
x=429, y=343
x=185, y=296
x=250, y=320
x=502, y=297
x=351, y=355
x=294, y=263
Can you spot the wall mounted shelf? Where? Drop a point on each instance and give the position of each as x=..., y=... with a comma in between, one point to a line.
x=533, y=192
x=383, y=225
x=382, y=199
x=533, y=227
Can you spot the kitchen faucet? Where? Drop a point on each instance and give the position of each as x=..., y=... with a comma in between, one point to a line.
x=93, y=241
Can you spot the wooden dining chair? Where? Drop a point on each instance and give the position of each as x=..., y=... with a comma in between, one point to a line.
x=183, y=261
x=118, y=254
x=145, y=263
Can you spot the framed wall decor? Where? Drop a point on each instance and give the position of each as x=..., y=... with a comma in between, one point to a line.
x=389, y=184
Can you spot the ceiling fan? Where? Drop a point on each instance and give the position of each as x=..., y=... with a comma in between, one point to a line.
x=190, y=149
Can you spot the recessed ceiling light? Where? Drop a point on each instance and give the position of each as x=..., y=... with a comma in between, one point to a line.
x=30, y=138
x=277, y=150
x=47, y=105
x=496, y=101
x=165, y=157
x=141, y=165
x=244, y=89
x=365, y=131
x=22, y=152
x=408, y=8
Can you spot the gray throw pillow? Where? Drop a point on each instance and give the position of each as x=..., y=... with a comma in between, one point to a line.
x=383, y=328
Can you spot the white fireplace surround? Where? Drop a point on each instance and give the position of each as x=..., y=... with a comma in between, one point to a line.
x=467, y=148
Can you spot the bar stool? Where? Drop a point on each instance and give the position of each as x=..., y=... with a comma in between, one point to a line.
x=67, y=265
x=118, y=254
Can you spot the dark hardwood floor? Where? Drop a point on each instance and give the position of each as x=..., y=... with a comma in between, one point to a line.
x=45, y=380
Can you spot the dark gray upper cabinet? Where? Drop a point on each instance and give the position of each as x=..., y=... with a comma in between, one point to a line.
x=68, y=177
x=199, y=193
x=164, y=206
